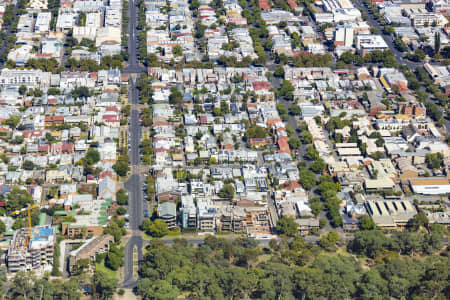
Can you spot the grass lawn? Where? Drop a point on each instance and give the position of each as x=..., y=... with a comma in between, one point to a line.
x=110, y=273
x=146, y=236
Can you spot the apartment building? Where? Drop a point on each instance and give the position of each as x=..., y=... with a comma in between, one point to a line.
x=27, y=254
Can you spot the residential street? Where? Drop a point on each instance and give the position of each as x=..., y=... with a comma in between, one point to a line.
x=133, y=185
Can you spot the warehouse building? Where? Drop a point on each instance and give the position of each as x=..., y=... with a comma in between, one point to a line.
x=430, y=185
x=391, y=213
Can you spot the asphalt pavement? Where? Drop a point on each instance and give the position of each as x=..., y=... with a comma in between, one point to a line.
x=134, y=182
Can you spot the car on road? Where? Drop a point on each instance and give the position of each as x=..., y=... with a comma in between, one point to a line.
x=146, y=213
x=127, y=225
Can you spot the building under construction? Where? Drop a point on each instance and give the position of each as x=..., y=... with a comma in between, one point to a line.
x=27, y=253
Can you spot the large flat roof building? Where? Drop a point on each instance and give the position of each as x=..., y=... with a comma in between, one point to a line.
x=430, y=185
x=390, y=213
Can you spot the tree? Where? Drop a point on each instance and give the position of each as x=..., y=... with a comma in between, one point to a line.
x=175, y=97
x=18, y=199
x=159, y=290
x=80, y=267
x=22, y=90
x=434, y=160
x=400, y=44
x=12, y=121
x=318, y=165
x=295, y=110
x=373, y=286
x=312, y=153
x=121, y=167
x=195, y=4
x=322, y=222
x=366, y=223
x=306, y=137
x=28, y=165
x=256, y=132
x=227, y=191
x=290, y=131
x=80, y=92
x=388, y=30
x=103, y=286
x=2, y=227
x=177, y=50
x=157, y=228
x=437, y=42
x=22, y=284
x=113, y=261
x=53, y=91
x=122, y=197
x=328, y=241
x=115, y=230
x=419, y=220
x=282, y=110
x=287, y=226
x=121, y=211
x=279, y=71
x=92, y=156
x=294, y=142
x=307, y=178
x=368, y=242
x=286, y=89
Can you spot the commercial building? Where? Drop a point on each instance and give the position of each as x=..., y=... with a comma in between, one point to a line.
x=188, y=212
x=390, y=213
x=369, y=43
x=167, y=211
x=206, y=215
x=430, y=185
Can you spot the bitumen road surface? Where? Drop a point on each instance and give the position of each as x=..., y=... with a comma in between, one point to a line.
x=134, y=183
x=135, y=199
x=197, y=241
x=133, y=64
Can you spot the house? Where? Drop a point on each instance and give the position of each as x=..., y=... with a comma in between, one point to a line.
x=107, y=188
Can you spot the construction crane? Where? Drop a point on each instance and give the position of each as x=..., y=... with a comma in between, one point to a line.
x=28, y=209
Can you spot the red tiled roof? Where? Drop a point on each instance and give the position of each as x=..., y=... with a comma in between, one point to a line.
x=292, y=4
x=112, y=108
x=110, y=118
x=283, y=145
x=271, y=122
x=54, y=119
x=67, y=146
x=260, y=85
x=43, y=148
x=264, y=5
x=260, y=141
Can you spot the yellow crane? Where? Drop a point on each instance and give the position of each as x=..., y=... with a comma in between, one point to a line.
x=30, y=230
